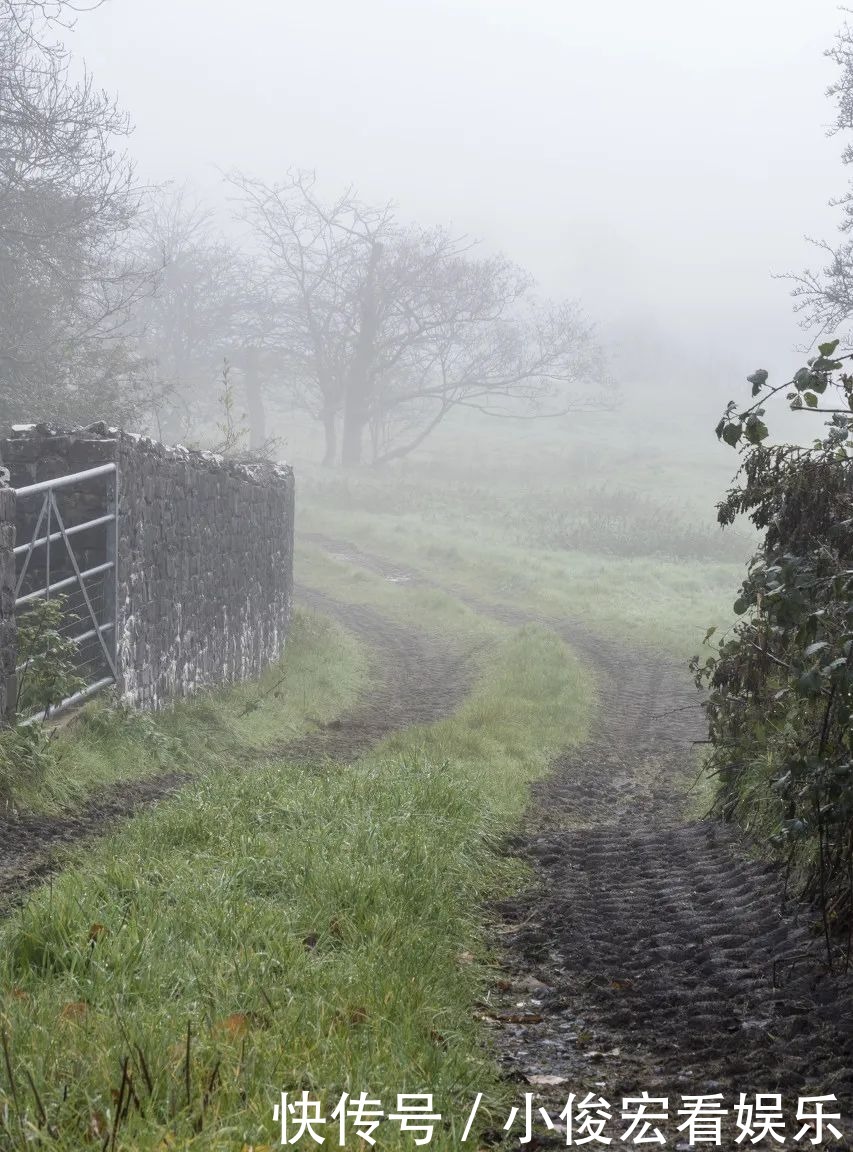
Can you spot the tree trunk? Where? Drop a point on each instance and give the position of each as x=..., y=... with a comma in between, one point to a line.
x=357, y=398
x=354, y=422
x=330, y=429
x=254, y=401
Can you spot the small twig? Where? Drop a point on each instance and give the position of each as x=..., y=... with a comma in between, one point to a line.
x=187, y=1072
x=119, y=1104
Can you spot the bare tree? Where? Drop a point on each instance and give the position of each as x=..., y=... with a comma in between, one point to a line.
x=459, y=332
x=387, y=328
x=183, y=329
x=67, y=203
x=315, y=261
x=824, y=296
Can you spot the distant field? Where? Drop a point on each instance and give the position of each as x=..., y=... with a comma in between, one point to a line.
x=609, y=535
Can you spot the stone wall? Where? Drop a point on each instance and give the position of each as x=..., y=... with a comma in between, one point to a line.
x=205, y=554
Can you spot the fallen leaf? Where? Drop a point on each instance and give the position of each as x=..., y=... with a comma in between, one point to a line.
x=465, y=957
x=545, y=1080
x=621, y=985
x=76, y=1010
x=96, y=931
x=521, y=1018
x=236, y=1025
x=310, y=941
x=98, y=1126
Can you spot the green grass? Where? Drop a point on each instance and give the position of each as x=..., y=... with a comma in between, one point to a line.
x=310, y=927
x=322, y=674
x=666, y=604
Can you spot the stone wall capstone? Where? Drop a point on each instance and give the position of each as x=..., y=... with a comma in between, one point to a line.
x=205, y=554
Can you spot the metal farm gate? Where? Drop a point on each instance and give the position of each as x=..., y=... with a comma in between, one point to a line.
x=67, y=547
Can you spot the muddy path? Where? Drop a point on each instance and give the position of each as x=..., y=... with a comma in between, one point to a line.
x=419, y=679
x=655, y=951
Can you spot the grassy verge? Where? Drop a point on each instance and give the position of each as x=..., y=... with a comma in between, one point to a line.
x=281, y=928
x=321, y=675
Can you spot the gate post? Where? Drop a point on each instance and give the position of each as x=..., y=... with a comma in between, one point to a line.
x=111, y=611
x=8, y=628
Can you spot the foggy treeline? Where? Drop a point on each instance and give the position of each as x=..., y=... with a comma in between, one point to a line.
x=135, y=305
x=144, y=305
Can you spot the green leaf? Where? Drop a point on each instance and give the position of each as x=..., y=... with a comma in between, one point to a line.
x=810, y=399
x=732, y=433
x=756, y=430
x=740, y=605
x=802, y=379
x=816, y=647
x=758, y=379
x=810, y=683
x=828, y=348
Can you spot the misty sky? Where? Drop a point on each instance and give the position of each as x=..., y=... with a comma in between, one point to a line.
x=656, y=160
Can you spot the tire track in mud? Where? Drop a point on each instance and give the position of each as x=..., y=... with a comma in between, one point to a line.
x=654, y=953
x=419, y=680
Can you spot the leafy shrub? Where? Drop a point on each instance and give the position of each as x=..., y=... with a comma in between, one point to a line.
x=49, y=659
x=780, y=685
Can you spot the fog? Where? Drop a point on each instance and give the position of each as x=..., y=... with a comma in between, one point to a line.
x=658, y=161
x=362, y=512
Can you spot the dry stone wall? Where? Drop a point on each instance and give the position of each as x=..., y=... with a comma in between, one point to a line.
x=205, y=554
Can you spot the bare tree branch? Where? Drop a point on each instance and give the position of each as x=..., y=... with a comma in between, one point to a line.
x=388, y=328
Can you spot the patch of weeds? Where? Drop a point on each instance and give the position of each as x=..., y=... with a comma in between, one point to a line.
x=27, y=754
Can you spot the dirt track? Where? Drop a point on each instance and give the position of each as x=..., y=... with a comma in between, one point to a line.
x=419, y=681
x=653, y=953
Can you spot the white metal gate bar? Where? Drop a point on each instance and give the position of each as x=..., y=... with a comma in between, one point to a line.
x=49, y=514
x=81, y=582
x=66, y=582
